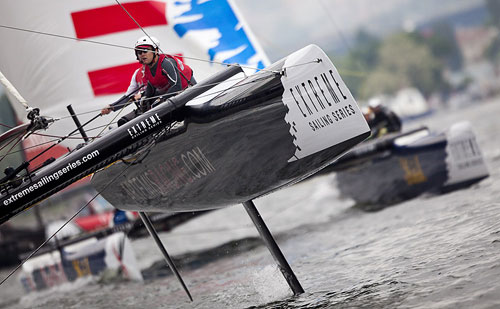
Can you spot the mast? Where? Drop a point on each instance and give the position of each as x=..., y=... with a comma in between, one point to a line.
x=22, y=154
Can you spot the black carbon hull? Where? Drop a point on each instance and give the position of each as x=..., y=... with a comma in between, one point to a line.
x=272, y=129
x=217, y=164
x=398, y=173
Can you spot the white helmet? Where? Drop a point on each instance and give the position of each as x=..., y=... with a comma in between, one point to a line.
x=148, y=40
x=375, y=102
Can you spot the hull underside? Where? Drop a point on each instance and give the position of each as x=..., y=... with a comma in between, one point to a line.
x=216, y=164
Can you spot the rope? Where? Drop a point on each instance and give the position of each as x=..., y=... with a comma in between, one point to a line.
x=13, y=90
x=344, y=40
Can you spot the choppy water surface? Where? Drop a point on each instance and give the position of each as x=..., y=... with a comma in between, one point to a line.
x=429, y=252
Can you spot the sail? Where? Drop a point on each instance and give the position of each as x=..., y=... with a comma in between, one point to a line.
x=13, y=154
x=51, y=70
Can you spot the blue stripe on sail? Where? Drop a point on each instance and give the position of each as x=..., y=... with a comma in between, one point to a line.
x=218, y=14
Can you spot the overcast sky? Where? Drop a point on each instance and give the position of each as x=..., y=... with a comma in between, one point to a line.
x=283, y=26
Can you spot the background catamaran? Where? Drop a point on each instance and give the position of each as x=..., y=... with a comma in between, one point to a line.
x=401, y=166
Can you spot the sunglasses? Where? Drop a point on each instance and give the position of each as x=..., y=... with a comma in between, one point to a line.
x=142, y=50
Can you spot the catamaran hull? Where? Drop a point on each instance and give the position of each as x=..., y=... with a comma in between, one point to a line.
x=91, y=257
x=218, y=164
x=241, y=147
x=272, y=129
x=435, y=163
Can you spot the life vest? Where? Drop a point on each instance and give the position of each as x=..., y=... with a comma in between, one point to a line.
x=160, y=81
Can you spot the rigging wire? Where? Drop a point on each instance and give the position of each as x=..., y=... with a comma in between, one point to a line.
x=344, y=40
x=174, y=93
x=318, y=60
x=41, y=152
x=6, y=144
x=211, y=61
x=59, y=229
x=332, y=20
x=12, y=147
x=124, y=47
x=63, y=138
x=33, y=146
x=266, y=75
x=99, y=127
x=109, y=123
x=70, y=136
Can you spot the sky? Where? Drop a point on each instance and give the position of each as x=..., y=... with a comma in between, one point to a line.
x=283, y=26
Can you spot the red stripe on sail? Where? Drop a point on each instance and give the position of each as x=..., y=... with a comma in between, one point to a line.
x=111, y=19
x=112, y=80
x=32, y=150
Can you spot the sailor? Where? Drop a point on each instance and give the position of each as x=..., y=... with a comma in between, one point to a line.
x=381, y=119
x=160, y=77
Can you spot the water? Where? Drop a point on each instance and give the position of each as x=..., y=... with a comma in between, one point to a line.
x=429, y=252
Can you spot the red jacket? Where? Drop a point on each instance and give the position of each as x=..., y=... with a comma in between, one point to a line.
x=160, y=81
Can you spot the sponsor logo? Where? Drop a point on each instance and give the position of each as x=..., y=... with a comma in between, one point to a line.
x=465, y=153
x=318, y=100
x=232, y=44
x=169, y=175
x=49, y=178
x=144, y=126
x=413, y=170
x=464, y=160
x=321, y=110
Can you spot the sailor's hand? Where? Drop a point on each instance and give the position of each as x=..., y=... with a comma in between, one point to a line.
x=106, y=110
x=156, y=103
x=137, y=96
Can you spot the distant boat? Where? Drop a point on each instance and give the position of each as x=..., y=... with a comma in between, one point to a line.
x=409, y=103
x=401, y=166
x=110, y=255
